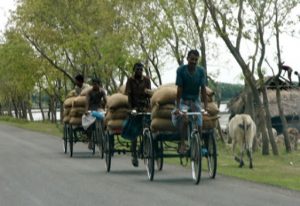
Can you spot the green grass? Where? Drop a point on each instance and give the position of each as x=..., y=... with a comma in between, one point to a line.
x=282, y=170
x=44, y=127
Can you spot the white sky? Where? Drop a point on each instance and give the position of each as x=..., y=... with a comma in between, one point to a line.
x=225, y=64
x=5, y=6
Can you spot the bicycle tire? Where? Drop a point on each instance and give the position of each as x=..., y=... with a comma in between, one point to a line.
x=149, y=153
x=211, y=156
x=196, y=157
x=107, y=151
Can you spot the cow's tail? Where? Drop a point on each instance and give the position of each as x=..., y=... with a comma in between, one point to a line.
x=243, y=126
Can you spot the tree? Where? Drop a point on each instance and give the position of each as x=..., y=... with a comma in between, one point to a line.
x=229, y=27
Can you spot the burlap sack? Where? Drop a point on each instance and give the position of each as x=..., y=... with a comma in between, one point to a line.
x=162, y=125
x=66, y=119
x=162, y=111
x=117, y=100
x=164, y=95
x=67, y=111
x=77, y=111
x=212, y=108
x=75, y=121
x=115, y=124
x=68, y=102
x=209, y=92
x=117, y=114
x=79, y=101
x=209, y=122
x=121, y=89
x=86, y=90
x=209, y=98
x=71, y=93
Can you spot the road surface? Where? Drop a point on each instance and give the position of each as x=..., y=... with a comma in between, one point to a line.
x=34, y=171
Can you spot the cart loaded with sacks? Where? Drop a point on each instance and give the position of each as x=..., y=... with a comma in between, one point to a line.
x=116, y=140
x=74, y=109
x=162, y=138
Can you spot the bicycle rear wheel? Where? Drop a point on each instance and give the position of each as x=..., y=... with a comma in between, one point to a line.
x=211, y=155
x=159, y=153
x=149, y=153
x=94, y=140
x=71, y=140
x=65, y=138
x=196, y=156
x=107, y=151
x=100, y=140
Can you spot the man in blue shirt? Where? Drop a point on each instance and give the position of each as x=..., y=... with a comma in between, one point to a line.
x=190, y=79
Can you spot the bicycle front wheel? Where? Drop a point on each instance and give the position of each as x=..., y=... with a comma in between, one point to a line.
x=159, y=153
x=149, y=153
x=211, y=155
x=100, y=140
x=71, y=140
x=107, y=151
x=65, y=138
x=196, y=157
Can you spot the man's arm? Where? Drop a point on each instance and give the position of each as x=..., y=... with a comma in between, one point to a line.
x=128, y=92
x=104, y=99
x=88, y=96
x=178, y=96
x=204, y=96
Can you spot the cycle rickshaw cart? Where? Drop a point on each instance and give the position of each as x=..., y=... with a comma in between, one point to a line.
x=201, y=146
x=73, y=132
x=114, y=142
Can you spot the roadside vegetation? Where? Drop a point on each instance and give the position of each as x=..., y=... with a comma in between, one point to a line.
x=38, y=126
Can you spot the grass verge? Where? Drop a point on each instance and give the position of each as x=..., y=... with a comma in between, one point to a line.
x=282, y=171
x=39, y=126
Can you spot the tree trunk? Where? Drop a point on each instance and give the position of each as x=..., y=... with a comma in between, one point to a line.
x=40, y=104
x=15, y=109
x=29, y=108
x=287, y=141
x=268, y=121
x=24, y=109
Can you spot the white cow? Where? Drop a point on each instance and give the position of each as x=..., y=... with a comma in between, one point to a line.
x=242, y=130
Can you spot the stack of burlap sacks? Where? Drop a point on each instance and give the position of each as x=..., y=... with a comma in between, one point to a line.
x=117, y=110
x=74, y=107
x=163, y=102
x=68, y=106
x=210, y=119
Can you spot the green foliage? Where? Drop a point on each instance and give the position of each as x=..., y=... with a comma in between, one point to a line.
x=229, y=91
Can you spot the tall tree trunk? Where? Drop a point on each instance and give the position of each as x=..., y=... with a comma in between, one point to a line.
x=23, y=109
x=29, y=108
x=268, y=121
x=287, y=141
x=278, y=95
x=9, y=112
x=15, y=109
x=40, y=103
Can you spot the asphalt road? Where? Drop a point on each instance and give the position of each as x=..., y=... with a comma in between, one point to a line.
x=34, y=171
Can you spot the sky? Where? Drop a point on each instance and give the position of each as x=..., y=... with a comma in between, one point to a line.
x=5, y=6
x=225, y=65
